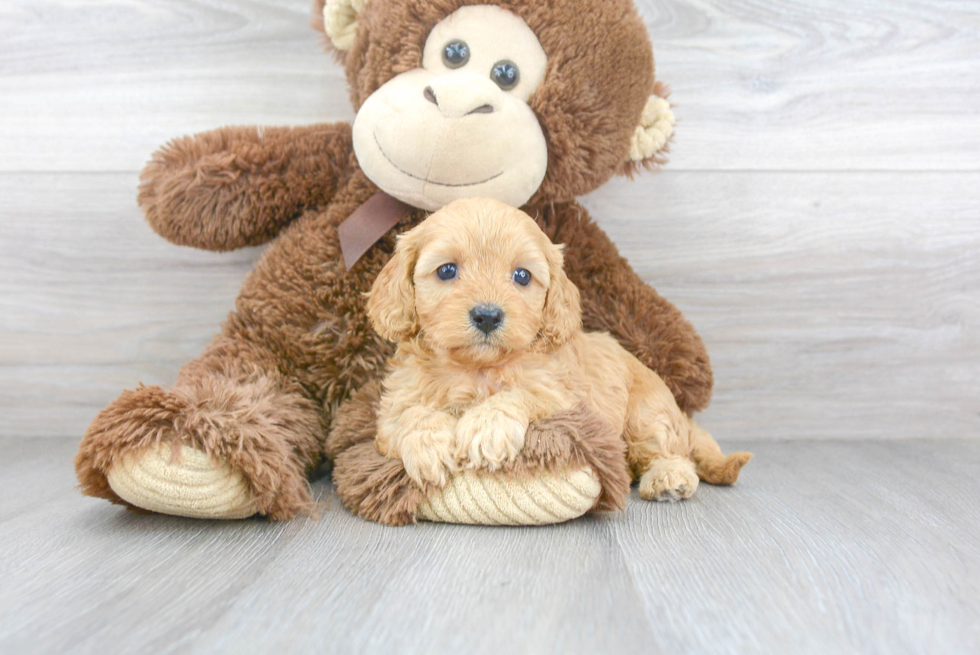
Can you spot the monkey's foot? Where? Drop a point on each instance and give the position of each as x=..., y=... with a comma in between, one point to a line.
x=482, y=498
x=190, y=484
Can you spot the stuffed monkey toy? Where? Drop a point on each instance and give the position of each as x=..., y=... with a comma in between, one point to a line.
x=529, y=102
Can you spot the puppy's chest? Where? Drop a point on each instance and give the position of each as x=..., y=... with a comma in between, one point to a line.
x=459, y=391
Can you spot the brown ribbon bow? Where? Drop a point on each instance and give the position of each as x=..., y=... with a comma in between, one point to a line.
x=368, y=224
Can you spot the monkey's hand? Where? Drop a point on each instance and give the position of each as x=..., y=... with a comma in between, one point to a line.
x=239, y=186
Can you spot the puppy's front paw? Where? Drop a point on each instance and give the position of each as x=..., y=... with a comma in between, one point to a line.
x=488, y=437
x=669, y=479
x=427, y=455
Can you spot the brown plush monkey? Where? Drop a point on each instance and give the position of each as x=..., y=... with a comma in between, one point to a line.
x=531, y=102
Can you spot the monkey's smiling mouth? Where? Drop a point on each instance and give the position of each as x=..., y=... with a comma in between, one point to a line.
x=425, y=179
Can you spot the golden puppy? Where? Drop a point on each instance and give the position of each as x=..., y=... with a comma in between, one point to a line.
x=489, y=335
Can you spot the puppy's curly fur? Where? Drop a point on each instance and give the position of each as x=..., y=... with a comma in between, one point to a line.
x=490, y=339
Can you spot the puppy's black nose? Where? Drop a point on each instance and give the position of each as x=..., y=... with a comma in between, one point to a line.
x=486, y=318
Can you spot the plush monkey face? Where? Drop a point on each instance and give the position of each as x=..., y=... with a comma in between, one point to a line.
x=523, y=101
x=459, y=126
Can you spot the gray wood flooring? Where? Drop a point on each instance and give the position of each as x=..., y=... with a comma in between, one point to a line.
x=822, y=547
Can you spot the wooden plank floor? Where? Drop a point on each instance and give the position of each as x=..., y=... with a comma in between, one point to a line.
x=822, y=547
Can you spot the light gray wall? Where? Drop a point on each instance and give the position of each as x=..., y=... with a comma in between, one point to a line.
x=819, y=221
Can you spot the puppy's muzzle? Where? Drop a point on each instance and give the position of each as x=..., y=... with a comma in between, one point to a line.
x=486, y=318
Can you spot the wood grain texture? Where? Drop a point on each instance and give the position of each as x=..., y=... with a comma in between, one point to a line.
x=837, y=305
x=818, y=222
x=827, y=85
x=870, y=547
x=92, y=302
x=99, y=85
x=787, y=84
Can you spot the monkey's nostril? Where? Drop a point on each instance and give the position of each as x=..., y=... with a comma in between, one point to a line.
x=483, y=109
x=430, y=95
x=486, y=318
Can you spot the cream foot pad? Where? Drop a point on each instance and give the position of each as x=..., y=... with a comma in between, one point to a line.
x=194, y=486
x=485, y=499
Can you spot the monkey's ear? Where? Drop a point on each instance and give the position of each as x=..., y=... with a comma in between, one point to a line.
x=562, y=305
x=648, y=147
x=391, y=305
x=338, y=20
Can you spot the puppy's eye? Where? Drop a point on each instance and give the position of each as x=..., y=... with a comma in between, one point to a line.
x=447, y=271
x=505, y=74
x=522, y=276
x=456, y=54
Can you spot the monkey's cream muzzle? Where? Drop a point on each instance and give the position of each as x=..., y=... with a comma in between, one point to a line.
x=430, y=139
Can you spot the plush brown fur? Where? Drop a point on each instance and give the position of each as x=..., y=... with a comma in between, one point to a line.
x=251, y=421
x=239, y=186
x=299, y=341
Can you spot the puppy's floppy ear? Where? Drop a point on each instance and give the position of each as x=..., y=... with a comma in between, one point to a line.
x=391, y=305
x=562, y=306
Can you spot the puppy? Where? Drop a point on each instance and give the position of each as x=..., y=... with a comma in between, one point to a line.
x=490, y=339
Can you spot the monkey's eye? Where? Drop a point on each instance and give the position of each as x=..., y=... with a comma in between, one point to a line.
x=456, y=54
x=506, y=74
x=447, y=272
x=522, y=276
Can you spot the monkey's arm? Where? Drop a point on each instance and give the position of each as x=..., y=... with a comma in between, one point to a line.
x=616, y=300
x=238, y=186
